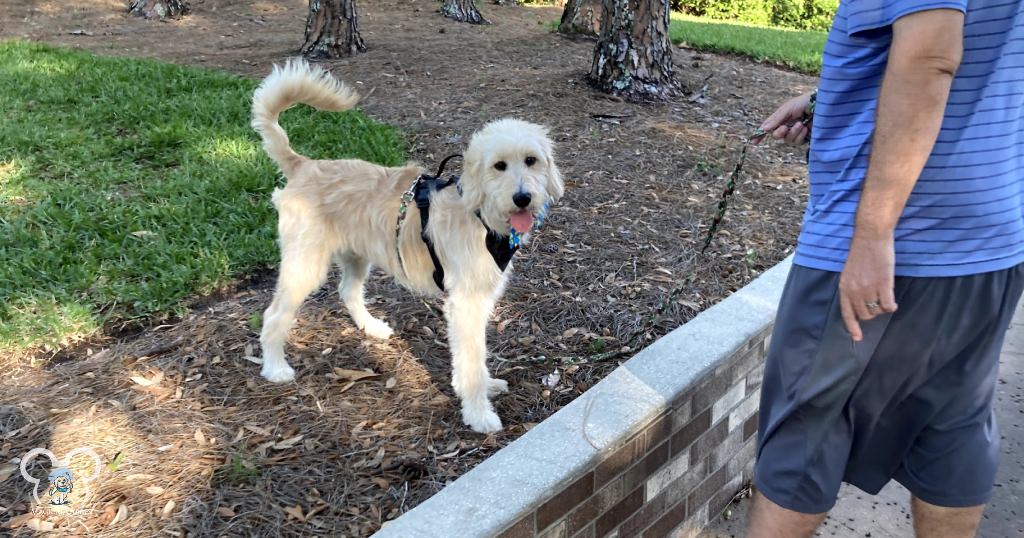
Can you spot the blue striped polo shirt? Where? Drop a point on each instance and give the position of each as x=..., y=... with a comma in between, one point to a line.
x=966, y=212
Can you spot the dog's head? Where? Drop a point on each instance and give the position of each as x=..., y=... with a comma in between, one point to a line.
x=510, y=174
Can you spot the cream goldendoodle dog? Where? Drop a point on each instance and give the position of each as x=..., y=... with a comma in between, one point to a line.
x=357, y=214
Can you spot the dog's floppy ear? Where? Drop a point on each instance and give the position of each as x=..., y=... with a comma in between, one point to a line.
x=555, y=186
x=472, y=168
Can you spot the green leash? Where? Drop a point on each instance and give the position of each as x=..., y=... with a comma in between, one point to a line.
x=730, y=185
x=730, y=189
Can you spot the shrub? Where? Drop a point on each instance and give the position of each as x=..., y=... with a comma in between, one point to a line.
x=800, y=14
x=804, y=14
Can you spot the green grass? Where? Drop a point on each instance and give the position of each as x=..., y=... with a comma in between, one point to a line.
x=241, y=468
x=128, y=186
x=796, y=49
x=799, y=50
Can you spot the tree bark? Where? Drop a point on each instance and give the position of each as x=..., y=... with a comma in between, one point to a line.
x=159, y=9
x=462, y=11
x=332, y=30
x=581, y=17
x=633, y=56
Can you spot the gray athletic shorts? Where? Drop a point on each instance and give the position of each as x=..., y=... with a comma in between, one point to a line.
x=912, y=401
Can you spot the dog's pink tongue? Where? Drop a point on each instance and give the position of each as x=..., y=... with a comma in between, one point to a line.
x=521, y=221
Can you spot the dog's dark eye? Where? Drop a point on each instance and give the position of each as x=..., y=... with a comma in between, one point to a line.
x=530, y=161
x=500, y=166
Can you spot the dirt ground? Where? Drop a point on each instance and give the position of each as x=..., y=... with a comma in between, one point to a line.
x=208, y=448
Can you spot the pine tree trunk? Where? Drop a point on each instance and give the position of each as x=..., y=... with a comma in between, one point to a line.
x=159, y=9
x=332, y=30
x=633, y=56
x=462, y=11
x=581, y=17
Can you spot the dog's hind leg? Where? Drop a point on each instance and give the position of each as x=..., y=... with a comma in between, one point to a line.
x=354, y=270
x=304, y=265
x=468, y=314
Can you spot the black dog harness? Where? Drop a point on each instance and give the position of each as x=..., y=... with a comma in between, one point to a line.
x=499, y=246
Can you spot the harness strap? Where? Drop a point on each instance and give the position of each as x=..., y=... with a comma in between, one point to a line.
x=425, y=186
x=423, y=203
x=444, y=162
x=500, y=247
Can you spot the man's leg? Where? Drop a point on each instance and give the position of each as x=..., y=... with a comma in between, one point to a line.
x=804, y=433
x=769, y=520
x=932, y=521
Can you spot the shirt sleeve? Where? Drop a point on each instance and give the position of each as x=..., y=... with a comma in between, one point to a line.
x=869, y=15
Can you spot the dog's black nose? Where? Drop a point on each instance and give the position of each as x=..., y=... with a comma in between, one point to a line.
x=521, y=199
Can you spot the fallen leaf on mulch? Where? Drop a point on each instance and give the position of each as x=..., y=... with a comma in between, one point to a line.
x=225, y=511
x=295, y=512
x=6, y=471
x=258, y=430
x=18, y=521
x=39, y=525
x=154, y=490
x=288, y=443
x=390, y=383
x=200, y=438
x=122, y=514
x=113, y=465
x=148, y=382
x=352, y=375
x=317, y=509
x=168, y=508
x=109, y=512
x=451, y=454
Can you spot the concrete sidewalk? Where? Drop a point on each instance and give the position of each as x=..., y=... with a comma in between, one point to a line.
x=887, y=515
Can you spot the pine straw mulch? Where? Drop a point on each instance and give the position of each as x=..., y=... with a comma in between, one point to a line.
x=371, y=429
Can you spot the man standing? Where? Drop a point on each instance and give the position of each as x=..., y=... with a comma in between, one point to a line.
x=907, y=271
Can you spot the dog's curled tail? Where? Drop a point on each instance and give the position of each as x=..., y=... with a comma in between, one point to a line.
x=296, y=82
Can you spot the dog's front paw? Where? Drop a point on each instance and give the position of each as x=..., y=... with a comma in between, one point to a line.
x=496, y=387
x=280, y=373
x=378, y=329
x=481, y=420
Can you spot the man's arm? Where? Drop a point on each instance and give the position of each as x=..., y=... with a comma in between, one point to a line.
x=923, y=58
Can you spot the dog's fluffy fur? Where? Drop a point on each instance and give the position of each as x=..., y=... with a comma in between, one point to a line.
x=346, y=211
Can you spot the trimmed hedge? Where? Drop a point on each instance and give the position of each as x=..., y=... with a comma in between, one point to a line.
x=799, y=14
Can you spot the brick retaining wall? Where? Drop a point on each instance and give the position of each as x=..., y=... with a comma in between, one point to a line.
x=657, y=448
x=676, y=473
